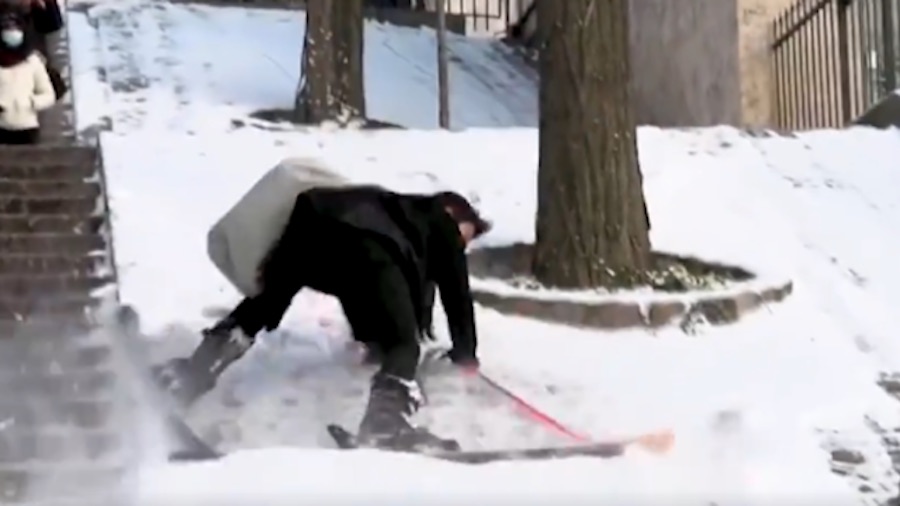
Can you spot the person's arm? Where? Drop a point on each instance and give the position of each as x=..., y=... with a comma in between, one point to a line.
x=428, y=311
x=44, y=96
x=449, y=269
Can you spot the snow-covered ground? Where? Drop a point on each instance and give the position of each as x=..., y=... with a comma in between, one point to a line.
x=755, y=406
x=190, y=68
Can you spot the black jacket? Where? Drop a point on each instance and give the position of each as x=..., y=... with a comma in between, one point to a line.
x=426, y=243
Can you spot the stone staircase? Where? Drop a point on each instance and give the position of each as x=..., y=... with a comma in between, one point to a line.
x=60, y=404
x=57, y=391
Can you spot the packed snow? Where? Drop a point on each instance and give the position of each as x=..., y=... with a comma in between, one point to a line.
x=755, y=406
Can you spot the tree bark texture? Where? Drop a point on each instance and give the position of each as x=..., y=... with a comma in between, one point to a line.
x=348, y=28
x=592, y=227
x=332, y=80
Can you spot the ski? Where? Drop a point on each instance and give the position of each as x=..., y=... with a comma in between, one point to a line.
x=191, y=447
x=188, y=446
x=346, y=440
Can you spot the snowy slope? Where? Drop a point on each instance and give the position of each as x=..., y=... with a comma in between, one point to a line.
x=808, y=366
x=754, y=405
x=192, y=68
x=795, y=205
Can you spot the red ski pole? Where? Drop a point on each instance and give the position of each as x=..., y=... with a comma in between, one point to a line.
x=533, y=411
x=658, y=442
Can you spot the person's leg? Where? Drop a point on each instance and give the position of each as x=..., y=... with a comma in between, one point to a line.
x=19, y=137
x=381, y=312
x=284, y=273
x=187, y=379
x=31, y=136
x=374, y=355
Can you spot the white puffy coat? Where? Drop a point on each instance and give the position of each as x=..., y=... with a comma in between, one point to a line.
x=25, y=89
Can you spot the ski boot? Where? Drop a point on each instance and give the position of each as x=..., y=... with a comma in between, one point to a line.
x=386, y=422
x=188, y=379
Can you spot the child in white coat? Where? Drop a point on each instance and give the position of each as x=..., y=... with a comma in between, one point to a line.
x=25, y=86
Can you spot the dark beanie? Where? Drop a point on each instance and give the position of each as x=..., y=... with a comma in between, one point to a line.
x=463, y=212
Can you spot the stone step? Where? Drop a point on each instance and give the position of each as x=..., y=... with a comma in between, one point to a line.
x=80, y=414
x=74, y=203
x=77, y=333
x=49, y=188
x=48, y=243
x=30, y=447
x=45, y=483
x=59, y=354
x=54, y=263
x=65, y=305
x=49, y=386
x=36, y=163
x=28, y=286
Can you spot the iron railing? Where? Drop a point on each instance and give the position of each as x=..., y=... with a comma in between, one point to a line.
x=833, y=59
x=482, y=15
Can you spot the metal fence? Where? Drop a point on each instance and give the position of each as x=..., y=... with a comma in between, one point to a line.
x=833, y=59
x=482, y=15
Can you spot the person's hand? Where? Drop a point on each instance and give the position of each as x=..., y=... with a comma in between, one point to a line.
x=437, y=359
x=467, y=362
x=428, y=334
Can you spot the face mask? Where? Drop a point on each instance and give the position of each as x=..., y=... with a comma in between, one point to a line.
x=12, y=37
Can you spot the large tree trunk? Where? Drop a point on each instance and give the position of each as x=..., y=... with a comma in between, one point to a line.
x=592, y=227
x=348, y=27
x=315, y=101
x=331, y=86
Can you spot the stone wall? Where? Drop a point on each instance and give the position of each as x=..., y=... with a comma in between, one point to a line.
x=684, y=60
x=755, y=20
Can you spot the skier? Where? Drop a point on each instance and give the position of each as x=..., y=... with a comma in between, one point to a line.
x=380, y=253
